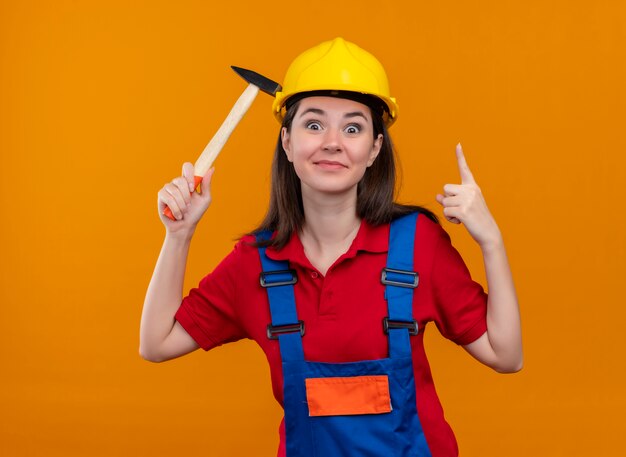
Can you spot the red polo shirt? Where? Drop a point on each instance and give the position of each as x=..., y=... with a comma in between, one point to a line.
x=343, y=310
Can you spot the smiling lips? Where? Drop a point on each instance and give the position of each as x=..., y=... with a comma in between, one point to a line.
x=330, y=165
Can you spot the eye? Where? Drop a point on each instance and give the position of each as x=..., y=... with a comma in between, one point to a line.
x=353, y=128
x=313, y=125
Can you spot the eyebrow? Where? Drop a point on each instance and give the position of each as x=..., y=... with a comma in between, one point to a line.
x=322, y=112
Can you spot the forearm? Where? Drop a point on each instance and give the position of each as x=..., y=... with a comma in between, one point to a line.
x=500, y=347
x=503, y=318
x=164, y=293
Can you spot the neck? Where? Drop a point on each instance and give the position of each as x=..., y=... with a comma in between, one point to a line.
x=329, y=221
x=330, y=226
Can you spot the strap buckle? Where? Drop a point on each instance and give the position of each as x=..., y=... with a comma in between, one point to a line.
x=278, y=278
x=399, y=278
x=274, y=330
x=411, y=326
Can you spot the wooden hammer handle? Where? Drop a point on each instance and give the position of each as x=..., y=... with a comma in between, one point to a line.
x=216, y=144
x=212, y=150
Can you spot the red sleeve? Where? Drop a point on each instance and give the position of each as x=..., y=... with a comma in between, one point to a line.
x=208, y=313
x=460, y=302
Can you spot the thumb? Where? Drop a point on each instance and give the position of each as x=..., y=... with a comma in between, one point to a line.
x=188, y=174
x=206, y=181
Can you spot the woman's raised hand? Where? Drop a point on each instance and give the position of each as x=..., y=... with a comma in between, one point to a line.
x=464, y=203
x=186, y=205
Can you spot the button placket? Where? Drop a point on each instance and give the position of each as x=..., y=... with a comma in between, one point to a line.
x=326, y=306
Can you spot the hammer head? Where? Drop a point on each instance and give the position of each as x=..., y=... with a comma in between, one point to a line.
x=265, y=84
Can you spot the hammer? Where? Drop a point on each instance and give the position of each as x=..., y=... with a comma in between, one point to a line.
x=241, y=106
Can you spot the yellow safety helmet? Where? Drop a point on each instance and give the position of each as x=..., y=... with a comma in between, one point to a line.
x=336, y=65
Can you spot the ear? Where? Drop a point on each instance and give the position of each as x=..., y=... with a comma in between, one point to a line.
x=378, y=143
x=284, y=138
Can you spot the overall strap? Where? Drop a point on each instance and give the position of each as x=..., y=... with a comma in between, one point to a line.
x=278, y=279
x=400, y=280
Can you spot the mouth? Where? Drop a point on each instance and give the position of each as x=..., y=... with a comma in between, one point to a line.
x=330, y=164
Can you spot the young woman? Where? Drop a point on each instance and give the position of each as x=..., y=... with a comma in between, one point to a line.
x=338, y=282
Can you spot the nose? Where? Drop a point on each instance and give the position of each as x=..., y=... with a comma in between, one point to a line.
x=332, y=140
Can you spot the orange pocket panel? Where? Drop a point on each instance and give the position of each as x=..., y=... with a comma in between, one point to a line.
x=347, y=396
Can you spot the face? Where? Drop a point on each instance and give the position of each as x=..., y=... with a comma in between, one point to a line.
x=331, y=143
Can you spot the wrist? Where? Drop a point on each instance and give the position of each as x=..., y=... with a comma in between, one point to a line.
x=180, y=235
x=492, y=243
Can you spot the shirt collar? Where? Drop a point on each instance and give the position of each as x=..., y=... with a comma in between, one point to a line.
x=369, y=238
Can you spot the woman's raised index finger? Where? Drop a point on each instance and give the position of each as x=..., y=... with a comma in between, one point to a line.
x=466, y=174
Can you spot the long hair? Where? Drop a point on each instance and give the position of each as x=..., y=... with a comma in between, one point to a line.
x=375, y=191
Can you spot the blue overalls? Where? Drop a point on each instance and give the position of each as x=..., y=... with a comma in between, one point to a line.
x=328, y=406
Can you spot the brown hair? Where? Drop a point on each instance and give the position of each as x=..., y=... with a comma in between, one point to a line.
x=375, y=191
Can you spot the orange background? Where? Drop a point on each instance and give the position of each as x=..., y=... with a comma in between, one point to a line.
x=101, y=102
